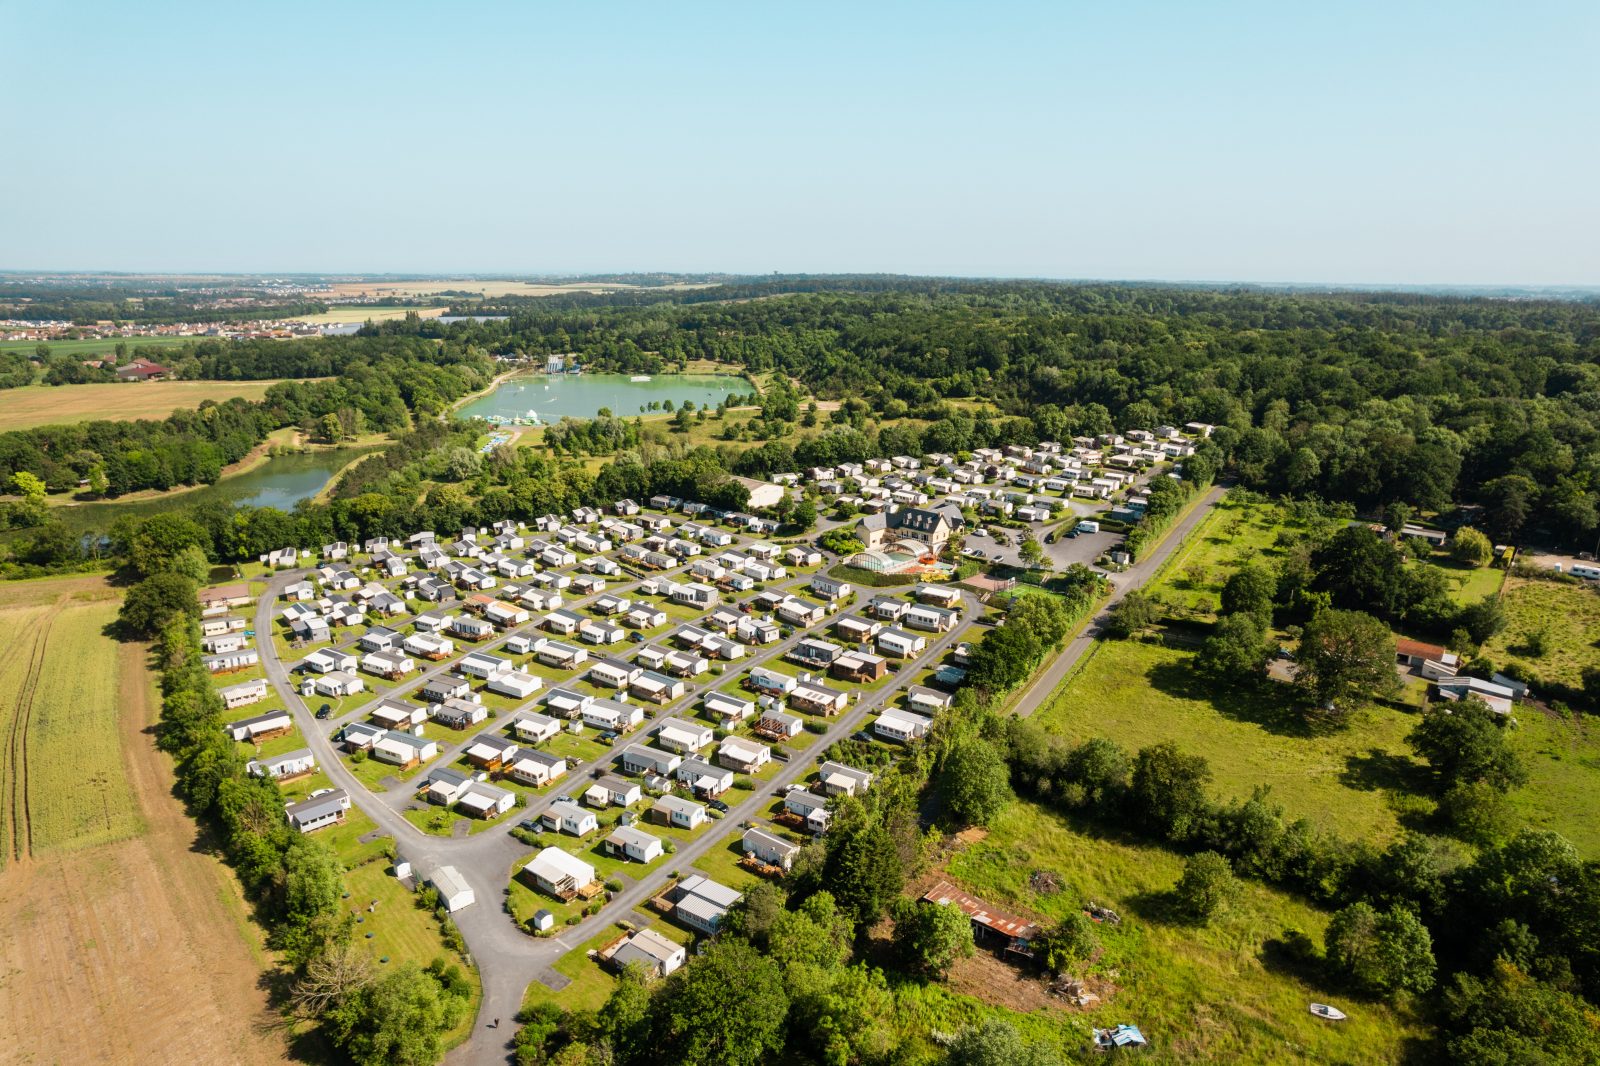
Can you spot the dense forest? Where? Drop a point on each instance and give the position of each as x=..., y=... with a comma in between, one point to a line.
x=1374, y=399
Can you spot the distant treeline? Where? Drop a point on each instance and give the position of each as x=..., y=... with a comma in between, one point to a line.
x=379, y=385
x=1370, y=398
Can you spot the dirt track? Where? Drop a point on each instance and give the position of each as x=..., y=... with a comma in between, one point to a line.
x=135, y=951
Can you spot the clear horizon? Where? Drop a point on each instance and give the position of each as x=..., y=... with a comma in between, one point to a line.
x=1237, y=144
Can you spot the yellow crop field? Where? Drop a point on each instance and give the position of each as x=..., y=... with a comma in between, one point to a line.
x=49, y=405
x=62, y=778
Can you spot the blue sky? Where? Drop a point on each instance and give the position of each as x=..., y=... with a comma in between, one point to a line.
x=1354, y=142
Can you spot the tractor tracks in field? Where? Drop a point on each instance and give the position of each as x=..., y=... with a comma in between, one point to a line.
x=17, y=745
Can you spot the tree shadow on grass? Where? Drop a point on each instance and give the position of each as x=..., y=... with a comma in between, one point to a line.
x=1159, y=906
x=1259, y=703
x=1375, y=770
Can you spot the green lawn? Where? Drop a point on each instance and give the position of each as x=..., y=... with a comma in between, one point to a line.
x=1232, y=534
x=1140, y=694
x=1563, y=790
x=1569, y=618
x=591, y=984
x=1214, y=994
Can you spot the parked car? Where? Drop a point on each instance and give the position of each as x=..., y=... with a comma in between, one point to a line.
x=325, y=710
x=530, y=824
x=607, y=737
x=719, y=806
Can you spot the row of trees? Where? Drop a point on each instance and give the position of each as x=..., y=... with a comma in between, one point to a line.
x=296, y=882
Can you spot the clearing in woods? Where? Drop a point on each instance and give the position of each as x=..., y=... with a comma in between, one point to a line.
x=51, y=405
x=115, y=948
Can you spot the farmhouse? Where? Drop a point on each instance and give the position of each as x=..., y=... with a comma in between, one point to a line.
x=239, y=659
x=728, y=707
x=702, y=903
x=397, y=714
x=514, y=683
x=285, y=767
x=677, y=811
x=459, y=713
x=536, y=728
x=894, y=724
x=816, y=699
x=859, y=666
x=647, y=948
x=743, y=756
x=633, y=844
x=558, y=873
x=837, y=779
x=323, y=809
x=483, y=800
x=612, y=714
x=536, y=768
x=489, y=752
x=564, y=816
x=482, y=665
x=810, y=807
x=1498, y=697
x=611, y=791
x=639, y=759
x=244, y=693
x=403, y=749
x=261, y=727
x=683, y=737
x=769, y=848
x=703, y=779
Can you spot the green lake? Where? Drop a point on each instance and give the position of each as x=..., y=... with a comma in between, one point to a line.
x=281, y=482
x=550, y=397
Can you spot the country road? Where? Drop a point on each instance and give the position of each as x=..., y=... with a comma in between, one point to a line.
x=1133, y=577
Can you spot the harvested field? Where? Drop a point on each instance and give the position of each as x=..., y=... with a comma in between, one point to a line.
x=46, y=405
x=136, y=951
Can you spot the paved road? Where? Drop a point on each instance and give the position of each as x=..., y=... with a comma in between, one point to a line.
x=507, y=958
x=1122, y=584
